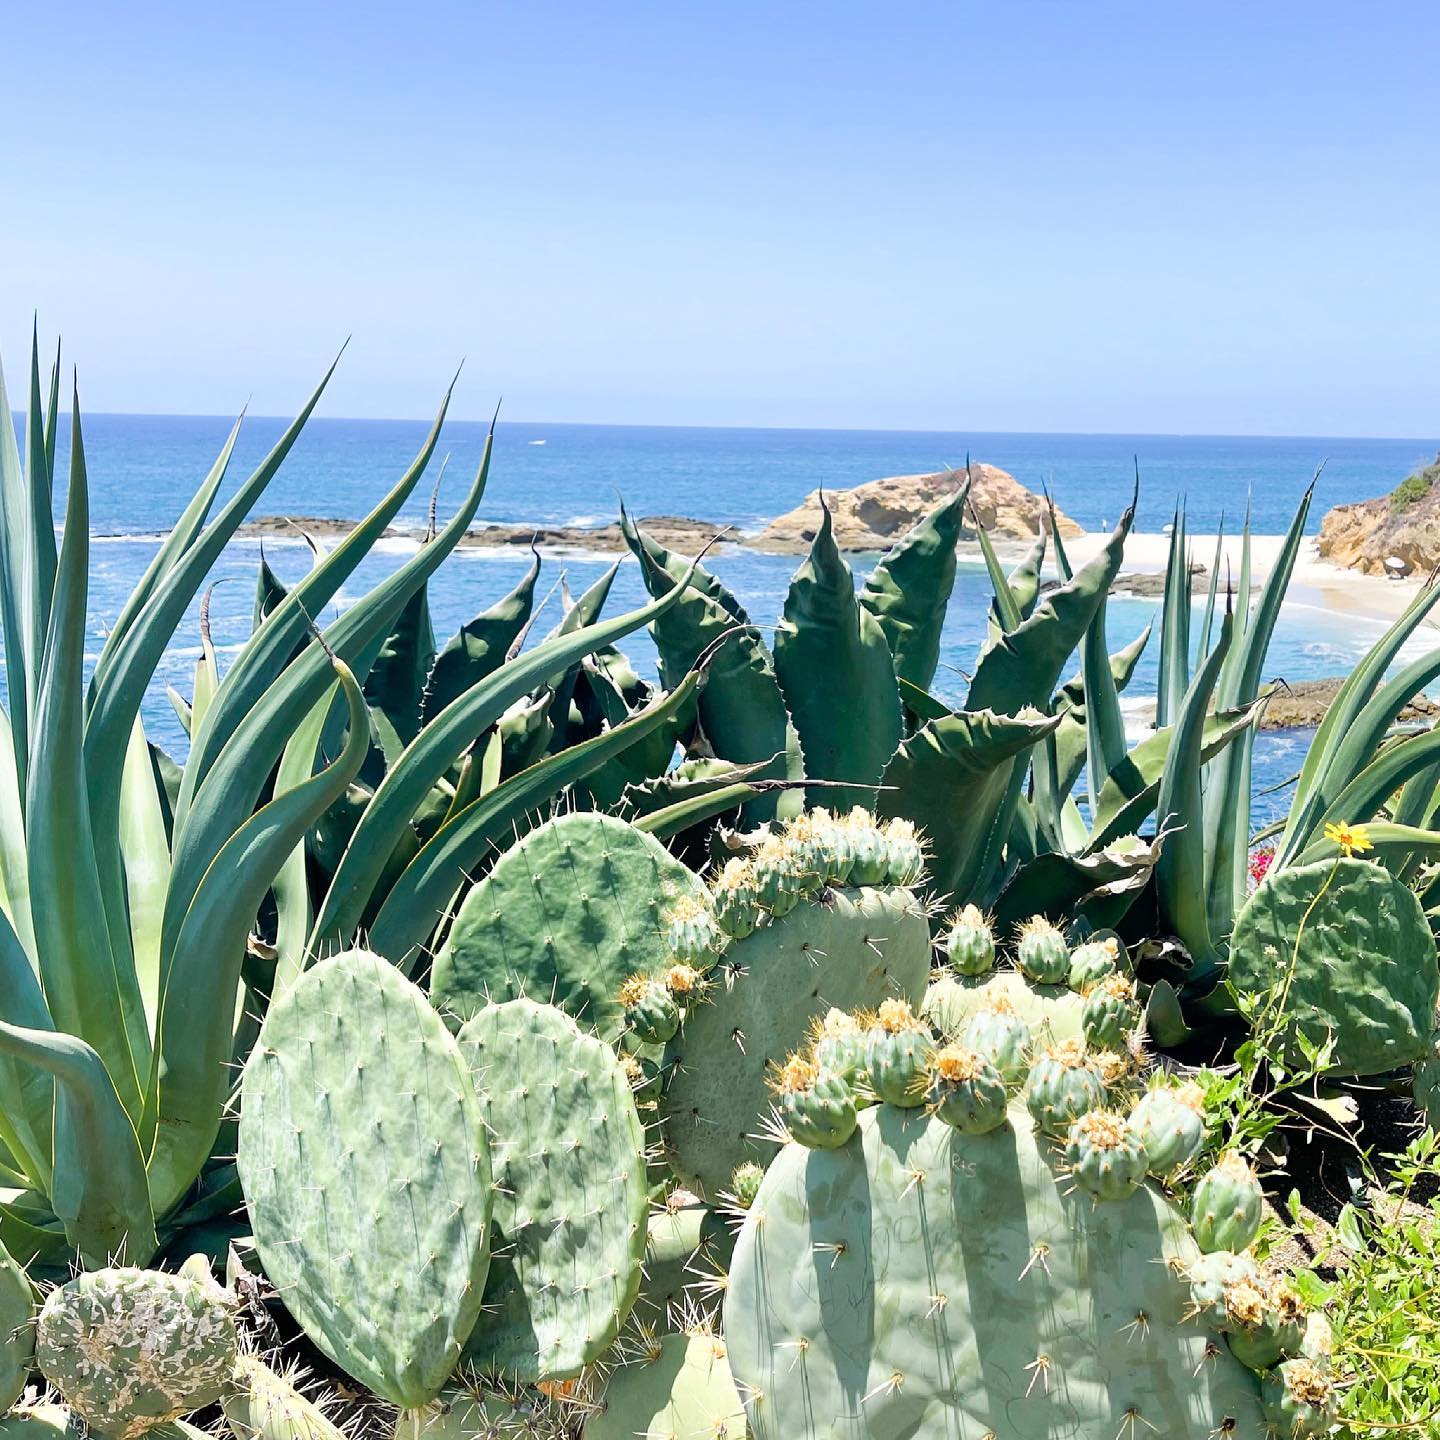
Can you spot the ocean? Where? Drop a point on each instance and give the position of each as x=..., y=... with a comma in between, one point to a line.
x=144, y=468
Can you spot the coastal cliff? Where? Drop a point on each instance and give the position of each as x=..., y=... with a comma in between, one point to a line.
x=1404, y=524
x=872, y=516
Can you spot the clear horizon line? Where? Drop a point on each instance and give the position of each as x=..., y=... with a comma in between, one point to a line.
x=222, y=418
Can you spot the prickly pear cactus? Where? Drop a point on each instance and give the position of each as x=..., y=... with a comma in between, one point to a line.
x=1427, y=1083
x=686, y=1247
x=1227, y=1206
x=264, y=1405
x=466, y=1413
x=848, y=949
x=1053, y=1012
x=566, y=915
x=17, y=1330
x=970, y=943
x=568, y=1156
x=131, y=1349
x=1171, y=1122
x=1365, y=970
x=36, y=1422
x=366, y=1168
x=925, y=1283
x=678, y=1388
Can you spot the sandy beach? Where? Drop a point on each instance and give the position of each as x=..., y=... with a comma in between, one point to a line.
x=1315, y=581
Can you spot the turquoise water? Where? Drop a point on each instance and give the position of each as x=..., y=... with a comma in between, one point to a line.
x=144, y=468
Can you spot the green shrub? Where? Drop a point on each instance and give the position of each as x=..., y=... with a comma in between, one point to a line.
x=1414, y=487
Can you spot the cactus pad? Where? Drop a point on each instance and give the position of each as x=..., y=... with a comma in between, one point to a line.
x=679, y=1389
x=366, y=1168
x=264, y=1405
x=1427, y=1083
x=850, y=949
x=131, y=1349
x=1052, y=1012
x=925, y=1283
x=568, y=1155
x=565, y=915
x=1366, y=972
x=474, y=1414
x=17, y=1330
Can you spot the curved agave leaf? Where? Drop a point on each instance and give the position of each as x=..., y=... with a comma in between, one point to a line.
x=1355, y=723
x=952, y=779
x=1391, y=843
x=908, y=591
x=1023, y=666
x=192, y=1075
x=92, y=991
x=836, y=675
x=27, y=1096
x=1174, y=677
x=97, y=1187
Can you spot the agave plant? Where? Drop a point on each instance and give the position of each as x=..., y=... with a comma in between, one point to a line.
x=130, y=887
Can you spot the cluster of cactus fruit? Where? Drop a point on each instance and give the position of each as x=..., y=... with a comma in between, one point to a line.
x=984, y=1217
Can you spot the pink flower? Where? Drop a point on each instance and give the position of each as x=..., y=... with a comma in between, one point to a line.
x=1260, y=863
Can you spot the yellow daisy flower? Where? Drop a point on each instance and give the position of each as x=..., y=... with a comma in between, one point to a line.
x=1352, y=839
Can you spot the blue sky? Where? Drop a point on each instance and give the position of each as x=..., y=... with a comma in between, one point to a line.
x=1109, y=217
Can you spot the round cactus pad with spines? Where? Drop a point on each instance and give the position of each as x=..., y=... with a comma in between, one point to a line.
x=680, y=1389
x=565, y=915
x=568, y=1154
x=1365, y=972
x=928, y=1284
x=365, y=1164
x=850, y=950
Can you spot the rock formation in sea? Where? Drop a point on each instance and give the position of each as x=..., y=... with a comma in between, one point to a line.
x=1404, y=526
x=873, y=515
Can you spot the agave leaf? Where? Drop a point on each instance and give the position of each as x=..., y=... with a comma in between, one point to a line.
x=1174, y=676
x=286, y=628
x=1355, y=723
x=395, y=682
x=1007, y=612
x=1098, y=888
x=1180, y=877
x=741, y=710
x=1392, y=843
x=97, y=1186
x=40, y=532
x=128, y=666
x=952, y=779
x=14, y=522
x=836, y=674
x=1227, y=820
x=1359, y=801
x=455, y=851
x=908, y=591
x=691, y=780
x=479, y=647
x=674, y=819
x=613, y=701
x=1207, y=623
x=192, y=1076
x=92, y=991
x=27, y=1095
x=1130, y=792
x=234, y=782
x=146, y=847
x=1023, y=667
x=14, y=864
x=1024, y=579
x=387, y=818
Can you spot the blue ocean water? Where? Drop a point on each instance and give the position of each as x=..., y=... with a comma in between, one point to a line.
x=144, y=468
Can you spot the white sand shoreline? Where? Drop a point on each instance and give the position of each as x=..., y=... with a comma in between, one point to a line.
x=1315, y=582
